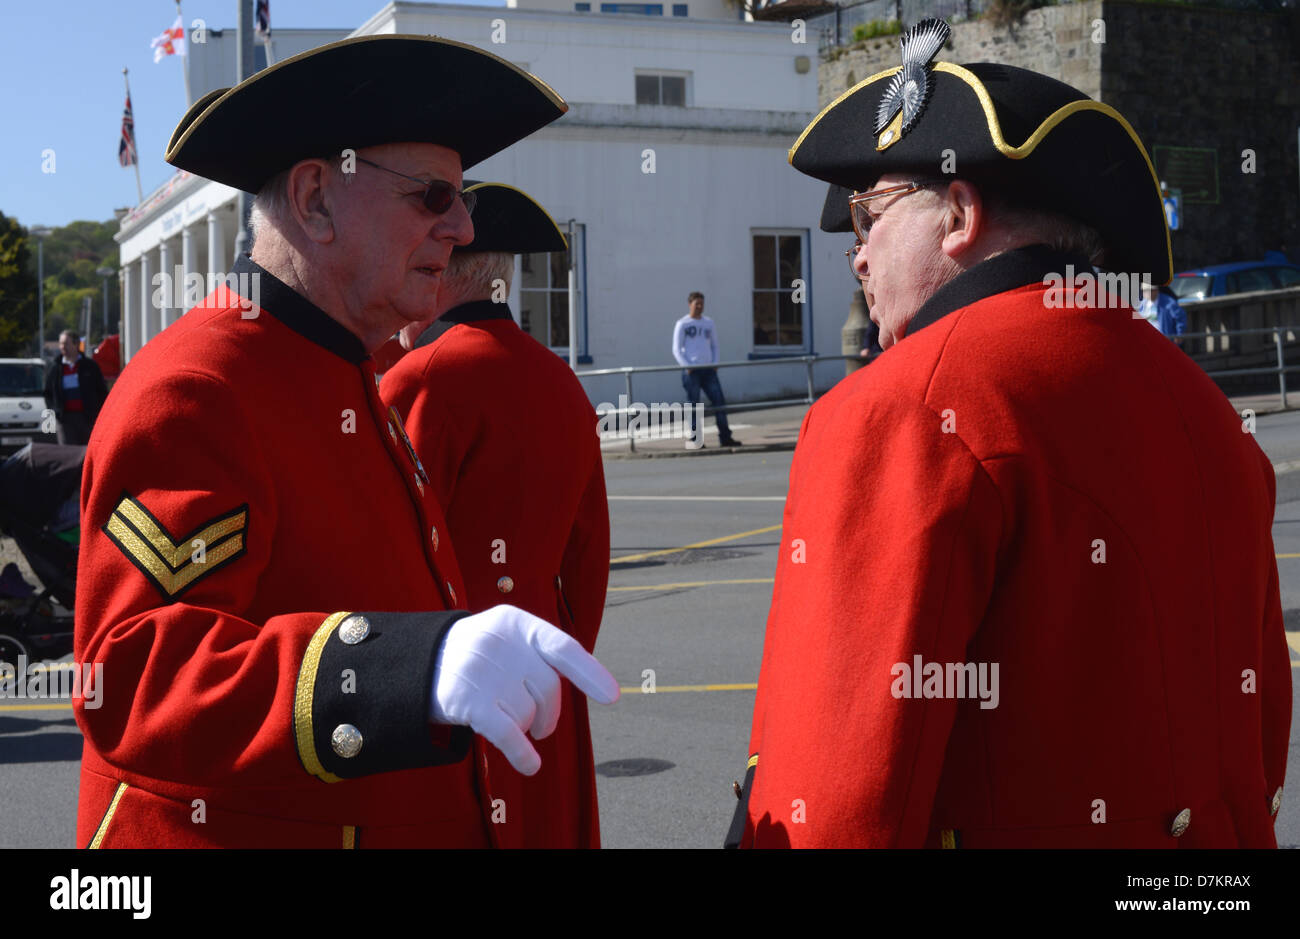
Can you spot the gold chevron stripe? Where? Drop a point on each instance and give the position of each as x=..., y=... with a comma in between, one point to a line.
x=169, y=581
x=173, y=553
x=102, y=830
x=753, y=761
x=304, y=694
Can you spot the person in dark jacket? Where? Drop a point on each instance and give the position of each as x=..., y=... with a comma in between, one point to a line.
x=74, y=390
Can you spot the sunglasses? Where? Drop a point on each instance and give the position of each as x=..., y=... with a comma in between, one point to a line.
x=440, y=194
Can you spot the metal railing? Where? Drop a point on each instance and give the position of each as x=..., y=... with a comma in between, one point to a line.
x=1280, y=369
x=808, y=361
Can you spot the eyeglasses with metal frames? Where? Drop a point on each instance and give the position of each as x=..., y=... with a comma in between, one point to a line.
x=439, y=194
x=852, y=255
x=862, y=219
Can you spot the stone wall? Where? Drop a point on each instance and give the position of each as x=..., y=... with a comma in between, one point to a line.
x=1053, y=40
x=1184, y=77
x=1218, y=79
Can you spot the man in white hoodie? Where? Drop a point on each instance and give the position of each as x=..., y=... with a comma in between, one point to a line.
x=695, y=347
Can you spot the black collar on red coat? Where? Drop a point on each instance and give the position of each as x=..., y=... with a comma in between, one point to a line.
x=1006, y=271
x=473, y=312
x=301, y=315
x=477, y=310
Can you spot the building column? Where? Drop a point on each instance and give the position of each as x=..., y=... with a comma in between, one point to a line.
x=127, y=284
x=190, y=262
x=146, y=301
x=166, y=267
x=216, y=247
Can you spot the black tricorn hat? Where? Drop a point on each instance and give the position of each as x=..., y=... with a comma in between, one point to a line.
x=510, y=220
x=1039, y=141
x=358, y=93
x=835, y=210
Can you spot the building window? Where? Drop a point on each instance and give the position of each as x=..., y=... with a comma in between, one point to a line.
x=582, y=7
x=544, y=294
x=679, y=9
x=644, y=9
x=655, y=88
x=780, y=259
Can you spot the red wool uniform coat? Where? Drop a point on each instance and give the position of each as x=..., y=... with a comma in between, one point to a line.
x=243, y=491
x=1058, y=492
x=509, y=438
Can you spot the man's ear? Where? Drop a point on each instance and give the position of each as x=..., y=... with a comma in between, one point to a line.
x=966, y=220
x=309, y=199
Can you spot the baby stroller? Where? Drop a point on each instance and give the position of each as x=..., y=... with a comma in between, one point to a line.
x=40, y=491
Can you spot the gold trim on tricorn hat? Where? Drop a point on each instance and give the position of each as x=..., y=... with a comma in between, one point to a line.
x=508, y=219
x=356, y=93
x=1042, y=142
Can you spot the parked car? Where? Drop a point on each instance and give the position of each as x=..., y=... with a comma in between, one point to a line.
x=22, y=402
x=1238, y=277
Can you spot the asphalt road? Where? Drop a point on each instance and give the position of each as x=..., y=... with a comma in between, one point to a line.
x=690, y=618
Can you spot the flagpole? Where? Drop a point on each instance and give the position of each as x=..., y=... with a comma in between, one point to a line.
x=139, y=190
x=185, y=59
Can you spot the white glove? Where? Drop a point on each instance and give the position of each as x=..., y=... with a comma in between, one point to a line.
x=496, y=673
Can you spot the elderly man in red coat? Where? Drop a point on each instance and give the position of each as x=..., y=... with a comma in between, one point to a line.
x=1027, y=595
x=265, y=574
x=510, y=442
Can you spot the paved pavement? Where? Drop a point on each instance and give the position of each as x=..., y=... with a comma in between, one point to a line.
x=694, y=550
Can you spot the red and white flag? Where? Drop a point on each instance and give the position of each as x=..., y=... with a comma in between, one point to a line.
x=171, y=42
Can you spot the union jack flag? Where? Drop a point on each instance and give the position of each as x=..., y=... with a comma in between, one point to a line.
x=126, y=146
x=262, y=20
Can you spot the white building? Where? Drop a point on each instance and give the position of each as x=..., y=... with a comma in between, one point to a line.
x=671, y=165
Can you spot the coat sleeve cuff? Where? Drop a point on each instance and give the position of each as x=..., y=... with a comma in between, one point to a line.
x=362, y=700
x=739, y=821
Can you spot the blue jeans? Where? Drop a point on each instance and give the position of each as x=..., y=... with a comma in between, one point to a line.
x=706, y=379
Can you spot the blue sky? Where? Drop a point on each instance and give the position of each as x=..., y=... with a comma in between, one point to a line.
x=65, y=58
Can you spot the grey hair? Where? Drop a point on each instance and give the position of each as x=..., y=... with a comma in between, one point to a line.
x=1058, y=231
x=270, y=207
x=472, y=274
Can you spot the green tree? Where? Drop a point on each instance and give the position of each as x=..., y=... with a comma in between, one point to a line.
x=72, y=254
x=17, y=289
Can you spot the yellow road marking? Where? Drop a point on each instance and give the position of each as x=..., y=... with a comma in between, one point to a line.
x=698, y=583
x=1286, y=556
x=1293, y=640
x=699, y=544
x=66, y=706
x=636, y=689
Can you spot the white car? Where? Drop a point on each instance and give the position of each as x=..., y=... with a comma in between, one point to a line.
x=22, y=403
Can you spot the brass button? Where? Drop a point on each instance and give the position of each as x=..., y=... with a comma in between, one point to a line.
x=506, y=584
x=451, y=591
x=433, y=536
x=1276, y=802
x=1181, y=821
x=354, y=629
x=392, y=431
x=346, y=741
x=419, y=484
